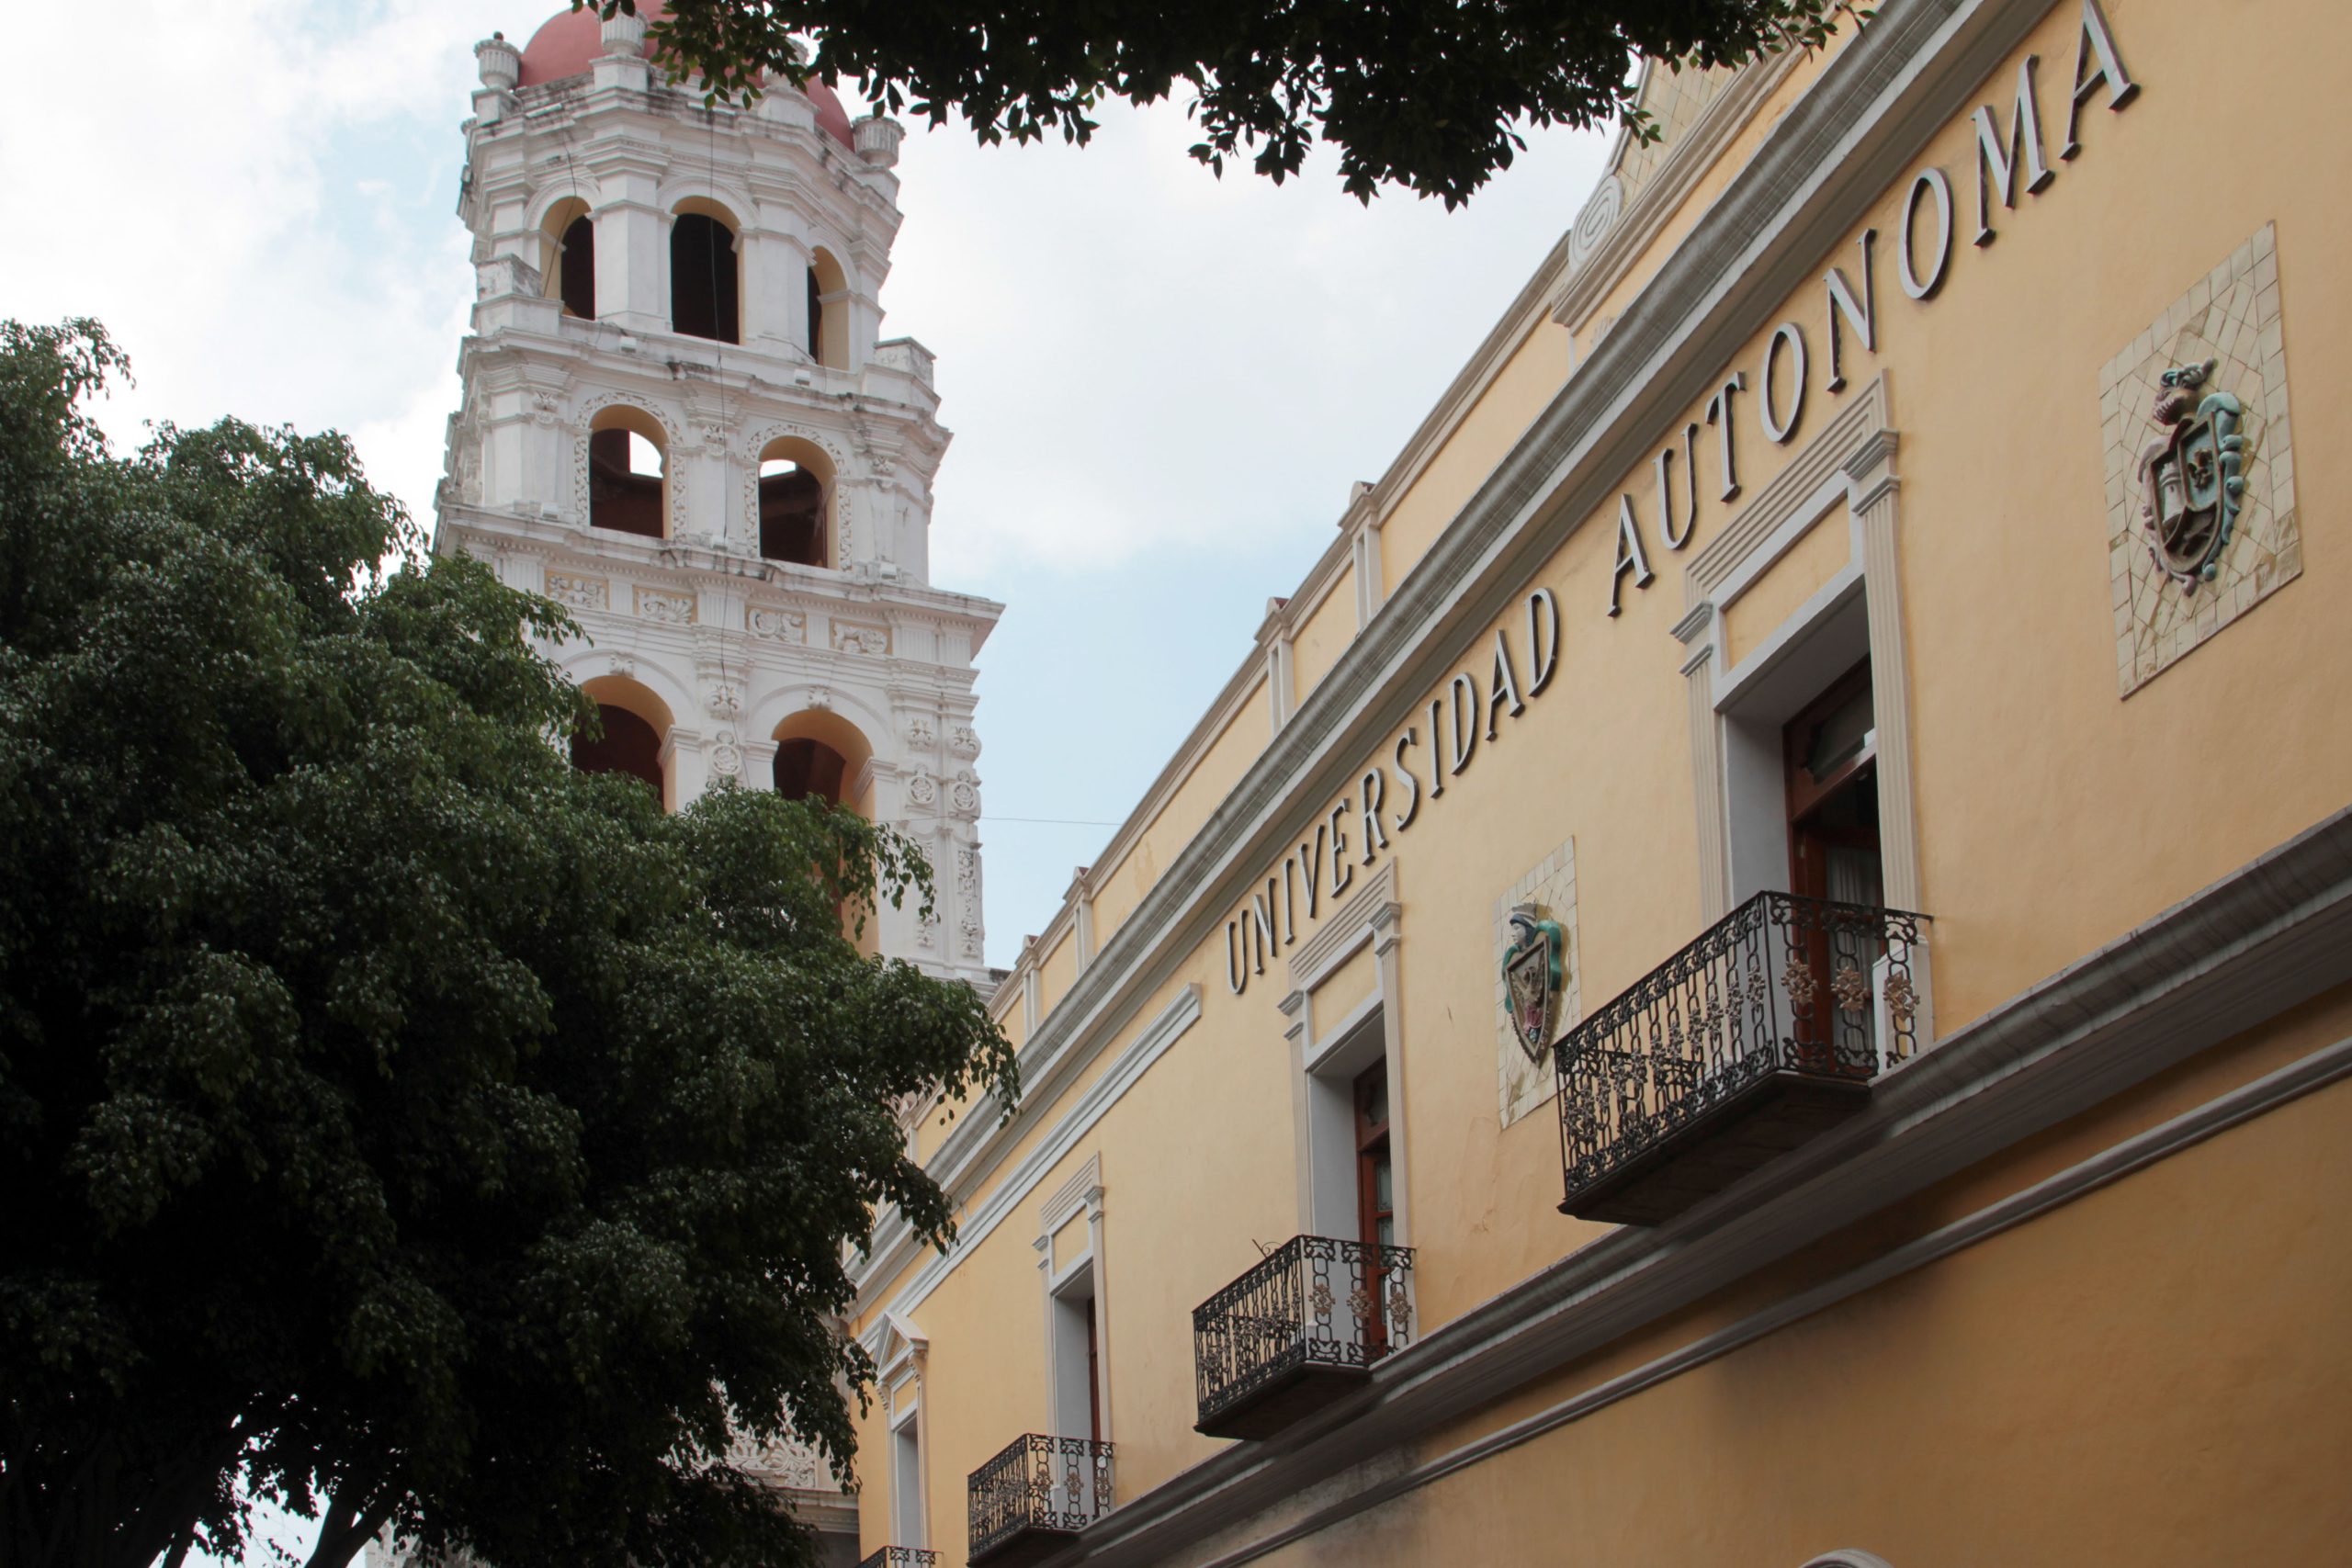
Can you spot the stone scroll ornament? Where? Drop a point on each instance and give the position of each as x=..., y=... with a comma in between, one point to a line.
x=1532, y=980
x=2193, y=476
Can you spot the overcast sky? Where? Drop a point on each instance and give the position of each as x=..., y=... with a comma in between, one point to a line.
x=1161, y=383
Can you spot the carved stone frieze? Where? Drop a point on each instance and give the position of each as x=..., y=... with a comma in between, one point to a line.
x=851, y=637
x=667, y=606
x=775, y=623
x=579, y=592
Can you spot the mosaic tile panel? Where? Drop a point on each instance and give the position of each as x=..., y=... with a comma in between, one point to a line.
x=2232, y=317
x=1550, y=884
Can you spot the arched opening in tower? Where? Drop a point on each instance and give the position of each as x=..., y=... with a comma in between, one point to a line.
x=808, y=769
x=796, y=497
x=628, y=745
x=792, y=514
x=577, y=269
x=828, y=311
x=703, y=284
x=624, y=477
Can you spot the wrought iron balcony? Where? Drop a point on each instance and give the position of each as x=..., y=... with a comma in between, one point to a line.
x=1764, y=1032
x=1296, y=1332
x=1031, y=1498
x=902, y=1557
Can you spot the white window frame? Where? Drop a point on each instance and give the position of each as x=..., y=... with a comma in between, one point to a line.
x=1328, y=1052
x=1066, y=1280
x=905, y=1352
x=1737, y=709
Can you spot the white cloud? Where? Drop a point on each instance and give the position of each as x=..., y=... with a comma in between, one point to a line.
x=1138, y=356
x=248, y=197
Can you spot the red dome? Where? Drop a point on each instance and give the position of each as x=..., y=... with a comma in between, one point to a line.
x=569, y=42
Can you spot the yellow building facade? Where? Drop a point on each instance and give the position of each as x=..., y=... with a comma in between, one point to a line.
x=1754, y=969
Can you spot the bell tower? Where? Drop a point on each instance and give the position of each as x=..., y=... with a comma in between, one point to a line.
x=679, y=420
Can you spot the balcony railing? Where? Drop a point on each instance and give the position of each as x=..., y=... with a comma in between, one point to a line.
x=1031, y=1498
x=902, y=1557
x=1297, y=1331
x=1765, y=1031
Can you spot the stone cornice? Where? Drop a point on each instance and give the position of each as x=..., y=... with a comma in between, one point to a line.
x=760, y=384
x=636, y=129
x=702, y=568
x=1686, y=163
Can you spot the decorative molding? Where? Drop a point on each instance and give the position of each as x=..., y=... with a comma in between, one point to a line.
x=776, y=623
x=579, y=592
x=664, y=606
x=1611, y=234
x=850, y=638
x=964, y=794
x=673, y=480
x=1346, y=929
x=1082, y=1190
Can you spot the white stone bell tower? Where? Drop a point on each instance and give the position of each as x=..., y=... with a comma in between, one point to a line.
x=679, y=420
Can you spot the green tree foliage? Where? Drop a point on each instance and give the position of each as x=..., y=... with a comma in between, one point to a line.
x=393, y=1119
x=1430, y=95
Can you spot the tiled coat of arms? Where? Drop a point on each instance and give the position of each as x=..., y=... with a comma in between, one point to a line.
x=2200, y=482
x=1547, y=893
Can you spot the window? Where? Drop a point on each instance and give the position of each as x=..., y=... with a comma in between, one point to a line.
x=634, y=724
x=1350, y=1155
x=1069, y=1267
x=628, y=745
x=822, y=756
x=792, y=514
x=816, y=317
x=794, y=499
x=577, y=270
x=808, y=770
x=1375, y=1196
x=628, y=473
x=828, y=311
x=1375, y=1173
x=1831, y=751
x=570, y=269
x=704, y=283
x=908, y=1525
x=1077, y=1358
